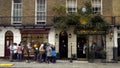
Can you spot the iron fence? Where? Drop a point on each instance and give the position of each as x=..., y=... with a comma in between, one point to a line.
x=32, y=20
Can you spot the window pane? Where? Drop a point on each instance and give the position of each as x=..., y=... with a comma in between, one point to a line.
x=17, y=1
x=71, y=5
x=17, y=11
x=96, y=6
x=41, y=11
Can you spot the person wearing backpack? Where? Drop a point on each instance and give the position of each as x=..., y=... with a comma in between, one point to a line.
x=54, y=55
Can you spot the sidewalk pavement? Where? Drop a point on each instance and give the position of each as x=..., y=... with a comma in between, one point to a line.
x=59, y=64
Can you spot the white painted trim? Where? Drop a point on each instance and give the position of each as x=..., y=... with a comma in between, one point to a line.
x=101, y=7
x=35, y=12
x=115, y=37
x=76, y=6
x=16, y=38
x=46, y=11
x=12, y=13
x=67, y=6
x=101, y=12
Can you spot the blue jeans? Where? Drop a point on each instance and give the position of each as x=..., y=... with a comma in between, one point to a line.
x=54, y=59
x=19, y=56
x=11, y=57
x=35, y=56
x=40, y=58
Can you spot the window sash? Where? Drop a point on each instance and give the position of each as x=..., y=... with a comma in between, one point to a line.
x=17, y=12
x=17, y=1
x=71, y=6
x=41, y=12
x=96, y=6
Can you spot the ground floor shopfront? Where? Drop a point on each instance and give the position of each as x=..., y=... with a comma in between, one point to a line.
x=107, y=44
x=66, y=42
x=79, y=45
x=10, y=35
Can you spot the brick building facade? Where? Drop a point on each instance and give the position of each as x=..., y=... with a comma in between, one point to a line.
x=34, y=23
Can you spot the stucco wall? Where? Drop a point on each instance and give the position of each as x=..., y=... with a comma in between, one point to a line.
x=71, y=41
x=16, y=38
x=51, y=36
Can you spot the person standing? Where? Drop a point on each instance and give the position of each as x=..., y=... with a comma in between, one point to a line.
x=15, y=51
x=35, y=47
x=48, y=53
x=11, y=47
x=54, y=55
x=41, y=52
x=93, y=50
x=19, y=51
x=28, y=52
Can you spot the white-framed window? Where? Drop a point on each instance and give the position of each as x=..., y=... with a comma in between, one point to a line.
x=16, y=11
x=41, y=12
x=96, y=6
x=71, y=6
x=0, y=7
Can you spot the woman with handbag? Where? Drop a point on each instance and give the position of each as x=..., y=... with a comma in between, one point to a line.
x=41, y=52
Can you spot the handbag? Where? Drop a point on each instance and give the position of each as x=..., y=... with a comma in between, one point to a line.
x=42, y=50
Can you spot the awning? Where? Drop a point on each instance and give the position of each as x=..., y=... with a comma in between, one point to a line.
x=35, y=31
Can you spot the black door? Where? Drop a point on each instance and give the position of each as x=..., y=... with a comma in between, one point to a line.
x=81, y=53
x=119, y=47
x=63, y=45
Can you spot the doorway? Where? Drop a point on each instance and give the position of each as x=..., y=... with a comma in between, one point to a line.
x=63, y=45
x=8, y=41
x=81, y=46
x=118, y=48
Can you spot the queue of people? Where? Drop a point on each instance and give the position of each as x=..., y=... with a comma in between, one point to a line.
x=15, y=52
x=42, y=53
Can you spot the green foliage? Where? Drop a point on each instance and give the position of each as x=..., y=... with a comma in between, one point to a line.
x=99, y=23
x=72, y=19
x=59, y=10
x=80, y=20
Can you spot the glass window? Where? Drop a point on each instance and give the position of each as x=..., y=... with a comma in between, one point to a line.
x=17, y=1
x=97, y=6
x=71, y=6
x=41, y=12
x=97, y=45
x=17, y=12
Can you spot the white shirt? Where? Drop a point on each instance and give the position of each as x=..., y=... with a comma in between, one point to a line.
x=15, y=48
x=11, y=48
x=28, y=45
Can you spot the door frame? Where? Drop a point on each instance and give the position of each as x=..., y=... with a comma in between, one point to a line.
x=8, y=41
x=85, y=42
x=118, y=49
x=63, y=45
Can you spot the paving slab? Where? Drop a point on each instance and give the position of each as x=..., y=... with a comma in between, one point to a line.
x=59, y=64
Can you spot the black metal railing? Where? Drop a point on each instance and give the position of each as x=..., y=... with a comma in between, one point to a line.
x=25, y=21
x=31, y=20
